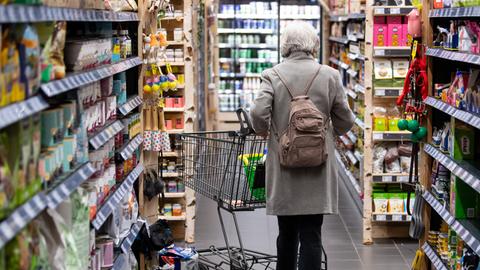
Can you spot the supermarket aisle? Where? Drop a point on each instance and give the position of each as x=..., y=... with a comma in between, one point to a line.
x=341, y=237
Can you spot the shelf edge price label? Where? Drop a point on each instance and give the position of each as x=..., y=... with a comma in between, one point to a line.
x=381, y=217
x=395, y=11
x=397, y=217
x=387, y=178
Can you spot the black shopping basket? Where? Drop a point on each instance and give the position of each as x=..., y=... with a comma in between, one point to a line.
x=227, y=167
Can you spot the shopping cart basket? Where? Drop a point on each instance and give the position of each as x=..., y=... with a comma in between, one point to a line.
x=227, y=167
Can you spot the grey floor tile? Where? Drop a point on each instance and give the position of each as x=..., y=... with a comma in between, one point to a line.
x=342, y=237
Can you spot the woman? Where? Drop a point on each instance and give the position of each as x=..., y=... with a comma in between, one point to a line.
x=300, y=197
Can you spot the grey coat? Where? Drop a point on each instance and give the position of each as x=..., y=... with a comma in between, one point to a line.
x=304, y=191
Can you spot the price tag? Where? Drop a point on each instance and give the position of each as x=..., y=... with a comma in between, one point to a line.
x=381, y=218
x=377, y=136
x=395, y=11
x=387, y=178
x=402, y=179
x=380, y=92
x=379, y=11
x=380, y=52
x=397, y=217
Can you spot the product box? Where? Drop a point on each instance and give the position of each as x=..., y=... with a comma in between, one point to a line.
x=178, y=102
x=438, y=4
x=395, y=31
x=406, y=38
x=380, y=31
x=464, y=201
x=383, y=74
x=463, y=142
x=400, y=69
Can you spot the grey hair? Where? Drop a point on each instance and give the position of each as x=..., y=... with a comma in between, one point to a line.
x=299, y=36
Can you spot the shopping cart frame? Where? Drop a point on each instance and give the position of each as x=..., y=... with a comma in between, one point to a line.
x=227, y=183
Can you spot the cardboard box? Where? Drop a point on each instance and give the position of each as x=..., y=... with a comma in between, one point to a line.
x=380, y=32
x=464, y=201
x=395, y=31
x=463, y=142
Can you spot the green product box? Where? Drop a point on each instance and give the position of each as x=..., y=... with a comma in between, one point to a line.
x=463, y=139
x=464, y=201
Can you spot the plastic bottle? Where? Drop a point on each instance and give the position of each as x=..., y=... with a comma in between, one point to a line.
x=129, y=44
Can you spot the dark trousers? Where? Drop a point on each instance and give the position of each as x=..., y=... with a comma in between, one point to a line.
x=306, y=231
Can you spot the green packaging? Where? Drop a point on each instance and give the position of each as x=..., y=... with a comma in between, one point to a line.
x=464, y=201
x=463, y=138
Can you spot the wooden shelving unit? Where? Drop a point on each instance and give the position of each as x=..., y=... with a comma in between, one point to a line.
x=182, y=227
x=345, y=52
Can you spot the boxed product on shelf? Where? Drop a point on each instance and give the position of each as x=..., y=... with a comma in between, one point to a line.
x=400, y=69
x=462, y=146
x=87, y=54
x=464, y=200
x=380, y=32
x=383, y=72
x=395, y=31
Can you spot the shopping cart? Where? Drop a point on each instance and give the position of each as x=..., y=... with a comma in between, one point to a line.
x=228, y=167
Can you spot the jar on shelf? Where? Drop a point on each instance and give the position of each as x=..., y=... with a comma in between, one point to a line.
x=167, y=210
x=177, y=34
x=176, y=210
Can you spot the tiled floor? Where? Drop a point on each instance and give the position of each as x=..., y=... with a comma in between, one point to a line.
x=342, y=237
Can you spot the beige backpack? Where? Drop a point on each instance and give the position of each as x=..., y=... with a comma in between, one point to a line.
x=303, y=142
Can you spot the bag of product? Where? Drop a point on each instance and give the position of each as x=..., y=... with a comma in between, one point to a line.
x=396, y=203
x=380, y=203
x=379, y=152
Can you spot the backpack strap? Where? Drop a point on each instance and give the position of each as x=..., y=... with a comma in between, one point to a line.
x=309, y=85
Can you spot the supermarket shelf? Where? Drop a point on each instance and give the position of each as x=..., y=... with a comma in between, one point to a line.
x=130, y=238
x=75, y=80
x=352, y=136
x=339, y=63
x=351, y=157
x=269, y=16
x=175, y=43
x=246, y=46
x=341, y=40
x=358, y=155
x=172, y=110
x=106, y=134
x=20, y=110
x=359, y=88
x=388, y=92
x=438, y=207
x=350, y=93
x=468, y=173
x=119, y=262
x=172, y=18
x=247, y=60
x=247, y=16
x=359, y=123
x=459, y=12
x=467, y=117
x=390, y=178
x=240, y=75
x=131, y=104
x=245, y=31
x=183, y=217
x=391, y=51
x=174, y=195
x=25, y=14
x=463, y=57
x=433, y=257
x=356, y=56
x=350, y=182
x=345, y=140
x=400, y=217
x=344, y=18
x=464, y=228
x=170, y=175
x=169, y=154
x=173, y=64
x=391, y=135
x=299, y=17
x=386, y=11
x=352, y=73
x=131, y=146
x=69, y=184
x=113, y=200
x=22, y=216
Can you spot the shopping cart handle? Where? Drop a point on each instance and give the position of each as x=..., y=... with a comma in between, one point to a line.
x=245, y=124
